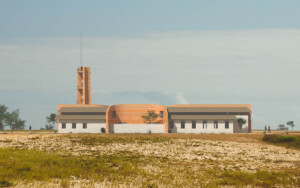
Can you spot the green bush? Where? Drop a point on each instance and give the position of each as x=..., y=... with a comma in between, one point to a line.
x=280, y=139
x=288, y=141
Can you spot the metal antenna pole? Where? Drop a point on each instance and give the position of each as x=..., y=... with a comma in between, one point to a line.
x=81, y=49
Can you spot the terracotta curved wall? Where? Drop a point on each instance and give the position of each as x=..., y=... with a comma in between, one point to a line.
x=132, y=114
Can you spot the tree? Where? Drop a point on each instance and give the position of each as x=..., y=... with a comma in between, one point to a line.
x=291, y=124
x=51, y=120
x=13, y=121
x=3, y=115
x=150, y=117
x=20, y=124
x=241, y=122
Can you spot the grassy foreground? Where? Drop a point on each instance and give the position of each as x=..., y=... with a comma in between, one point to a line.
x=110, y=161
x=33, y=165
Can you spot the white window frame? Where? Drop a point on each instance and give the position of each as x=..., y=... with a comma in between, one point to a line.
x=204, y=125
x=216, y=124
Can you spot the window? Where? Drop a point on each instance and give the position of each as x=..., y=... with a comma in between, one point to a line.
x=84, y=125
x=182, y=124
x=193, y=124
x=204, y=124
x=226, y=124
x=215, y=124
x=63, y=125
x=114, y=115
x=171, y=124
x=73, y=125
x=161, y=114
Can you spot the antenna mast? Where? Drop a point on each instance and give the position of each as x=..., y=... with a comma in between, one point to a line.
x=81, y=49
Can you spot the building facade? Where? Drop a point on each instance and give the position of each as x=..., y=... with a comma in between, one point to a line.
x=80, y=118
x=209, y=118
x=85, y=117
x=127, y=118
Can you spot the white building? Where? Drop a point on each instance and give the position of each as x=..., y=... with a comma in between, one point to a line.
x=82, y=119
x=209, y=119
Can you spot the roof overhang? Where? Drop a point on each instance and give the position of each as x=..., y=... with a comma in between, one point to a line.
x=203, y=117
x=83, y=109
x=208, y=109
x=81, y=117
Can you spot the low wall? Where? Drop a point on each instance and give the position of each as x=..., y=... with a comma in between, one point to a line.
x=137, y=128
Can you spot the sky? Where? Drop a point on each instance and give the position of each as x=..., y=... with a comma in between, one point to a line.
x=160, y=52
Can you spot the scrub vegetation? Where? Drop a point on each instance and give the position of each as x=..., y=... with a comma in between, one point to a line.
x=49, y=160
x=283, y=140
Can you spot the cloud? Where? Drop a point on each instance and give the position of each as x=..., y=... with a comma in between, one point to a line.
x=181, y=99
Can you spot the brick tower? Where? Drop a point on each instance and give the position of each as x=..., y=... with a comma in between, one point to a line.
x=84, y=85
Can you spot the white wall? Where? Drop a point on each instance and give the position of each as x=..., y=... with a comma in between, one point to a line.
x=91, y=128
x=137, y=128
x=199, y=127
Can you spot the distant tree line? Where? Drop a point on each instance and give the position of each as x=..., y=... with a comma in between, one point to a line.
x=10, y=119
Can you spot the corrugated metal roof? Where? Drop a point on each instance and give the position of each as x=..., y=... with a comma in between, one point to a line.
x=83, y=109
x=81, y=117
x=81, y=121
x=203, y=117
x=208, y=109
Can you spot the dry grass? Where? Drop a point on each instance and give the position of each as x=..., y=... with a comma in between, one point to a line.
x=135, y=160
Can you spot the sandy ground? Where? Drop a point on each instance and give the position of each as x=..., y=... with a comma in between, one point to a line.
x=228, y=152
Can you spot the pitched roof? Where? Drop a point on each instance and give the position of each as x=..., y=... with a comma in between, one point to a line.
x=83, y=109
x=203, y=117
x=208, y=109
x=81, y=117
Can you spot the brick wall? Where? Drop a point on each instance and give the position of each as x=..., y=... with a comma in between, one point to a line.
x=132, y=114
x=84, y=85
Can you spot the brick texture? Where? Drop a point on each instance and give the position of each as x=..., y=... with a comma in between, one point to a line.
x=84, y=85
x=132, y=114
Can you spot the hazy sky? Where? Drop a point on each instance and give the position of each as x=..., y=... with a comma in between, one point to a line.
x=162, y=52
